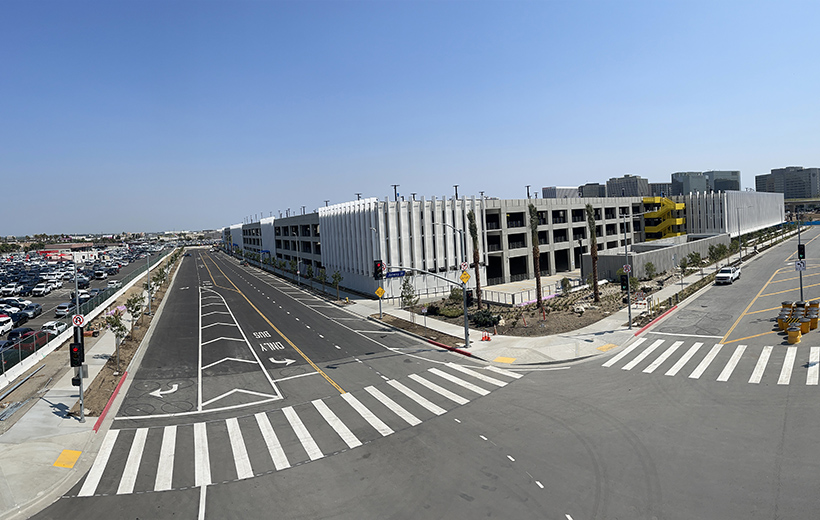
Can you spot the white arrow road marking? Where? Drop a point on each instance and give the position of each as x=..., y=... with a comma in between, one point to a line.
x=159, y=393
x=286, y=361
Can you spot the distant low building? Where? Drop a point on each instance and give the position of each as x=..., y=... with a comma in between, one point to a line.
x=660, y=189
x=794, y=182
x=592, y=189
x=559, y=192
x=627, y=186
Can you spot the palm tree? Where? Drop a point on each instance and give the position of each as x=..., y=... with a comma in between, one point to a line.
x=474, y=235
x=536, y=254
x=593, y=251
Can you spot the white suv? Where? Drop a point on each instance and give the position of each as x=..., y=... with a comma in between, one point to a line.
x=6, y=324
x=12, y=289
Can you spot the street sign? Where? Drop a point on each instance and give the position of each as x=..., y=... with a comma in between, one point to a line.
x=379, y=292
x=78, y=320
x=464, y=266
x=465, y=276
x=800, y=265
x=395, y=274
x=627, y=268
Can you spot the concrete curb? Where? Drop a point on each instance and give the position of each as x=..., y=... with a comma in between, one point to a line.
x=422, y=338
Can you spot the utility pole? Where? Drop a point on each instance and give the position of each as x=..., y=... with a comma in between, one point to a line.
x=628, y=289
x=799, y=216
x=378, y=243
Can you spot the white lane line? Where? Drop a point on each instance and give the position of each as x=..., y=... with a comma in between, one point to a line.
x=202, y=493
x=202, y=462
x=367, y=415
x=814, y=369
x=165, y=470
x=682, y=361
x=399, y=410
x=730, y=366
x=296, y=376
x=240, y=452
x=539, y=484
x=219, y=323
x=643, y=355
x=430, y=406
x=624, y=353
x=132, y=464
x=757, y=373
x=663, y=357
x=477, y=375
x=94, y=475
x=439, y=390
x=458, y=381
x=337, y=424
x=704, y=364
x=788, y=365
x=687, y=335
x=303, y=434
x=280, y=460
x=226, y=339
x=503, y=372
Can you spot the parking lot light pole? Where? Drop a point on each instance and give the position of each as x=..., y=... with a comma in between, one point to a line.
x=628, y=289
x=798, y=246
x=148, y=277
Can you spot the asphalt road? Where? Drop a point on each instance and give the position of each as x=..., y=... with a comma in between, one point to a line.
x=658, y=429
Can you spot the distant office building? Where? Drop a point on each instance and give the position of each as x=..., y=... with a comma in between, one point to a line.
x=684, y=183
x=559, y=192
x=660, y=189
x=592, y=189
x=627, y=186
x=723, y=180
x=794, y=182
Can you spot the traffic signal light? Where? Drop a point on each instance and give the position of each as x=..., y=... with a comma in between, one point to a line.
x=378, y=269
x=624, y=282
x=801, y=251
x=76, y=354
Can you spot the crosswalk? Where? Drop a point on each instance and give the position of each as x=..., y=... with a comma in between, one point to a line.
x=755, y=365
x=179, y=456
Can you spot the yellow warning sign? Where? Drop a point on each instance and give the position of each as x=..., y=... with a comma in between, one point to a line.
x=465, y=276
x=379, y=292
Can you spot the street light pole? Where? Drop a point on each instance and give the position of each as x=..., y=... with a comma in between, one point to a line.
x=463, y=283
x=628, y=289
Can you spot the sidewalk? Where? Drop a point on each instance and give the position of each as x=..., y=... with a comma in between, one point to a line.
x=32, y=446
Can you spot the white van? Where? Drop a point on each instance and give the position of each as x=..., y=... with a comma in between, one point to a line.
x=6, y=324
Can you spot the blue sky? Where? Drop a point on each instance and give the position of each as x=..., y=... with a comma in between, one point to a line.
x=161, y=115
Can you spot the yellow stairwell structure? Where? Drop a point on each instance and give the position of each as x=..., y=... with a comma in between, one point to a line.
x=667, y=218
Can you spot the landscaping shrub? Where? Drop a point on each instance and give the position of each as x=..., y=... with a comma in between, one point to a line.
x=484, y=318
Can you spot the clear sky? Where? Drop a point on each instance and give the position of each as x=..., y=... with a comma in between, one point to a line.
x=161, y=115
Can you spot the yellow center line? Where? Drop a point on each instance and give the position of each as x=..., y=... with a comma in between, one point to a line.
x=749, y=337
x=327, y=377
x=792, y=289
x=742, y=314
x=764, y=310
x=212, y=275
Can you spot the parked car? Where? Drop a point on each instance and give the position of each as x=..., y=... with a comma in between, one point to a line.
x=6, y=324
x=100, y=275
x=33, y=310
x=8, y=309
x=18, y=318
x=19, y=333
x=83, y=283
x=727, y=275
x=11, y=289
x=41, y=289
x=62, y=310
x=54, y=327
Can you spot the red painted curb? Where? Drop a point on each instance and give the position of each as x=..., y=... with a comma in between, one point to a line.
x=108, y=404
x=656, y=319
x=448, y=347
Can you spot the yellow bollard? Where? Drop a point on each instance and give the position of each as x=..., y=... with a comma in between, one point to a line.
x=794, y=335
x=805, y=324
x=813, y=320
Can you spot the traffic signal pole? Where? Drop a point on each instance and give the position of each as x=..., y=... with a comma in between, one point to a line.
x=799, y=248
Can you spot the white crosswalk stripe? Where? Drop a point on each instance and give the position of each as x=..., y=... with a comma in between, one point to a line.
x=381, y=408
x=706, y=362
x=760, y=367
x=814, y=361
x=625, y=352
x=643, y=355
x=663, y=357
x=788, y=364
x=683, y=360
x=730, y=366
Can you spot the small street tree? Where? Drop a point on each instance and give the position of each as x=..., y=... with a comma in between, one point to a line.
x=309, y=275
x=536, y=255
x=134, y=306
x=593, y=251
x=321, y=277
x=650, y=269
x=476, y=258
x=113, y=322
x=408, y=293
x=336, y=279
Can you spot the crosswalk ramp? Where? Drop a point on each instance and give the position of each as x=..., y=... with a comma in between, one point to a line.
x=778, y=365
x=179, y=456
